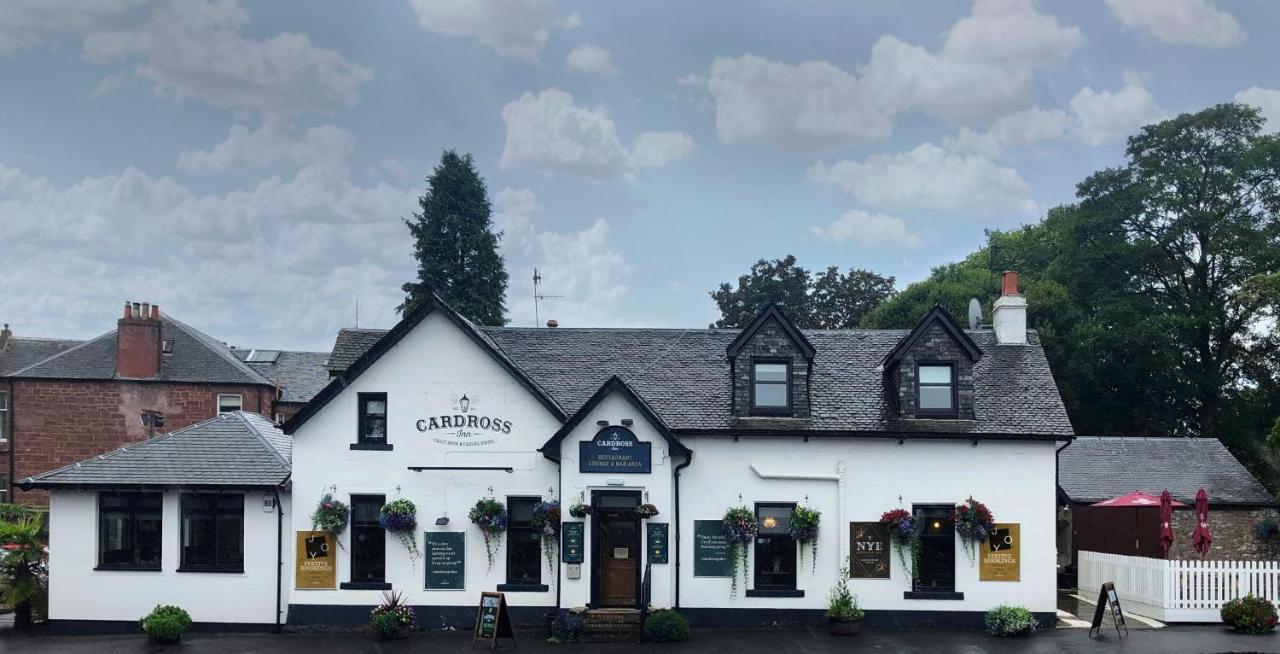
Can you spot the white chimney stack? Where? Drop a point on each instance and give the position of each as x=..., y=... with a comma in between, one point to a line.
x=1010, y=313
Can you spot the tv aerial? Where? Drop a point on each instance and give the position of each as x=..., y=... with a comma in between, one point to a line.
x=538, y=297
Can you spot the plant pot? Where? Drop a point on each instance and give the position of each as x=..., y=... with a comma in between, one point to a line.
x=401, y=632
x=841, y=627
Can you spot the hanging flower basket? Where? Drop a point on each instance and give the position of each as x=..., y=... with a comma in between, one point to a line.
x=740, y=530
x=804, y=529
x=580, y=510
x=491, y=517
x=906, y=535
x=546, y=519
x=400, y=517
x=646, y=511
x=330, y=515
x=973, y=524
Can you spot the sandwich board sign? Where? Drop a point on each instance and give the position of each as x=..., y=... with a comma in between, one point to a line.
x=493, y=620
x=1107, y=598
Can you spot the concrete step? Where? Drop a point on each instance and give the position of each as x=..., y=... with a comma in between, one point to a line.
x=612, y=625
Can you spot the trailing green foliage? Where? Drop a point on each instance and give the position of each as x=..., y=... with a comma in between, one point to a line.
x=666, y=626
x=1007, y=621
x=1249, y=615
x=165, y=624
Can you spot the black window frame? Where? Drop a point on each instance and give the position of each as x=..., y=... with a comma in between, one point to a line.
x=133, y=510
x=355, y=552
x=771, y=410
x=773, y=540
x=516, y=530
x=954, y=409
x=187, y=503
x=363, y=442
x=943, y=541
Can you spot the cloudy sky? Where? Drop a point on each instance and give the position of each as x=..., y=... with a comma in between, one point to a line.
x=247, y=165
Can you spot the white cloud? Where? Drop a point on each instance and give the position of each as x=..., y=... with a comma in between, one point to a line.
x=514, y=211
x=1104, y=116
x=591, y=59
x=581, y=266
x=1268, y=100
x=692, y=79
x=1017, y=128
x=271, y=144
x=513, y=28
x=1190, y=22
x=868, y=229
x=929, y=178
x=1011, y=33
x=549, y=132
x=395, y=168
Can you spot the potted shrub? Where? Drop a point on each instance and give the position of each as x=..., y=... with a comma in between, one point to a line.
x=490, y=516
x=1006, y=621
x=165, y=624
x=1249, y=615
x=844, y=616
x=400, y=517
x=568, y=627
x=666, y=626
x=393, y=619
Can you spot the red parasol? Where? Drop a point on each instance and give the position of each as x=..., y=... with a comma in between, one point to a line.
x=1135, y=499
x=1166, y=518
x=1202, y=538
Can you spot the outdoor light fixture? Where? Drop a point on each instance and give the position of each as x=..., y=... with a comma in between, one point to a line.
x=627, y=422
x=464, y=403
x=602, y=423
x=770, y=522
x=442, y=521
x=937, y=525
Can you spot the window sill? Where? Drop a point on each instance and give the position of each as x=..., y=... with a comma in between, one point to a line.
x=128, y=568
x=522, y=588
x=932, y=595
x=364, y=585
x=375, y=447
x=779, y=592
x=231, y=571
x=771, y=413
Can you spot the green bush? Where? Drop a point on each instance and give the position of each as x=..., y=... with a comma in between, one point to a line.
x=1010, y=621
x=842, y=604
x=166, y=624
x=1249, y=615
x=665, y=626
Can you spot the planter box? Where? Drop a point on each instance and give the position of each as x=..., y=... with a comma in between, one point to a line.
x=845, y=627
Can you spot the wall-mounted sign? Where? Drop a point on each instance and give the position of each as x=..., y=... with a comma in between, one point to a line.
x=315, y=566
x=711, y=553
x=615, y=450
x=656, y=537
x=445, y=557
x=571, y=542
x=868, y=550
x=465, y=427
x=999, y=554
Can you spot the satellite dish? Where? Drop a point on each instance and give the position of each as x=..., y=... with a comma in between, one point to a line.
x=975, y=313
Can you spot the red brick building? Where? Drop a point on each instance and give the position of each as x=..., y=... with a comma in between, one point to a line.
x=63, y=401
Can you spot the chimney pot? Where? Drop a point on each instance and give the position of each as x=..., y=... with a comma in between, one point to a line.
x=552, y=324
x=155, y=312
x=1009, y=283
x=128, y=310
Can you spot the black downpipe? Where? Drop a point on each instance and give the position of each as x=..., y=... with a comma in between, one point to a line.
x=279, y=556
x=688, y=459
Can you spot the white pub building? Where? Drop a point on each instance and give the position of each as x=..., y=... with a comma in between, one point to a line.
x=689, y=423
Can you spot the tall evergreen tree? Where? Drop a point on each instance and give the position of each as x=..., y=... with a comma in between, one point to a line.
x=456, y=245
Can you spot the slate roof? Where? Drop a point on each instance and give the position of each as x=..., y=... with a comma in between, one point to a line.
x=349, y=345
x=234, y=449
x=1095, y=468
x=196, y=357
x=684, y=375
x=300, y=375
x=21, y=352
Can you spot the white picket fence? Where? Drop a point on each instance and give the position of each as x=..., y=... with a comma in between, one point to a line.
x=1178, y=591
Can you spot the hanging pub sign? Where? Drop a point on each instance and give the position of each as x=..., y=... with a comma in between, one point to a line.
x=314, y=565
x=445, y=554
x=868, y=550
x=615, y=450
x=999, y=555
x=571, y=542
x=466, y=426
x=656, y=537
x=711, y=553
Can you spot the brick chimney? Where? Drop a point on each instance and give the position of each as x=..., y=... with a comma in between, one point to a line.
x=1010, y=313
x=138, y=353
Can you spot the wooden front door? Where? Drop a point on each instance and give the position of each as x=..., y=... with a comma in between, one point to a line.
x=615, y=549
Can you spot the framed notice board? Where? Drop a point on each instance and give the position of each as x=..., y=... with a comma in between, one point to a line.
x=493, y=620
x=711, y=553
x=571, y=550
x=999, y=555
x=868, y=550
x=656, y=537
x=315, y=567
x=445, y=558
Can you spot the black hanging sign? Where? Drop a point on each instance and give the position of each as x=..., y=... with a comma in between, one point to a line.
x=571, y=542
x=493, y=620
x=656, y=533
x=1107, y=598
x=615, y=450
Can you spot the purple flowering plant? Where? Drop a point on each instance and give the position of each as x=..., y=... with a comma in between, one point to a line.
x=905, y=532
x=400, y=517
x=740, y=529
x=491, y=517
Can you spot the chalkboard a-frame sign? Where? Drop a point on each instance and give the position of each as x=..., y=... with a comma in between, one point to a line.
x=493, y=620
x=1107, y=597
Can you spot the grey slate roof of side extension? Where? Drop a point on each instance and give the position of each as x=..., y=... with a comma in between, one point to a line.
x=234, y=450
x=684, y=375
x=21, y=352
x=196, y=357
x=300, y=375
x=1095, y=468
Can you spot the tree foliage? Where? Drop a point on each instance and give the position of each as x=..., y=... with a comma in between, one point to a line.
x=456, y=246
x=823, y=300
x=24, y=566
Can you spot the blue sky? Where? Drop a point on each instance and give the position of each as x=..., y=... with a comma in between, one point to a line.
x=247, y=165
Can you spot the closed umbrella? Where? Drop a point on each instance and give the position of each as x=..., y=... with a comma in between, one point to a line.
x=1202, y=538
x=1166, y=518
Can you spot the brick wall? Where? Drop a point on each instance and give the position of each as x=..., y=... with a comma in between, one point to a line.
x=935, y=345
x=771, y=342
x=57, y=423
x=1234, y=534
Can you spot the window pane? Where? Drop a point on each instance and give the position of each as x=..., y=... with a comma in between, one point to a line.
x=229, y=547
x=376, y=407
x=776, y=372
x=114, y=535
x=365, y=509
x=935, y=374
x=935, y=397
x=228, y=403
x=774, y=519
x=937, y=549
x=771, y=395
x=775, y=562
x=521, y=510
x=197, y=531
x=524, y=556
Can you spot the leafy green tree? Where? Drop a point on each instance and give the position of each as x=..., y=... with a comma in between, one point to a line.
x=23, y=569
x=826, y=300
x=456, y=246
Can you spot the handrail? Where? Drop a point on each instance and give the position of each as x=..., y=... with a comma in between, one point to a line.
x=646, y=597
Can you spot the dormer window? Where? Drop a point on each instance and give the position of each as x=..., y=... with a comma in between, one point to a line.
x=937, y=388
x=771, y=387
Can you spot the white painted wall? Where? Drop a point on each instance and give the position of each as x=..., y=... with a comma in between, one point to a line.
x=1015, y=480
x=658, y=484
x=422, y=375
x=78, y=592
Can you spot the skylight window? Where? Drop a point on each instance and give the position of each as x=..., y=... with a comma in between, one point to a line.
x=263, y=356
